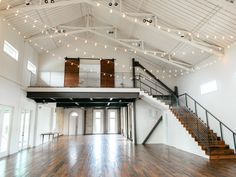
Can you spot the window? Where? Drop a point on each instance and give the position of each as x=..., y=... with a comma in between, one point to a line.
x=98, y=115
x=31, y=67
x=208, y=87
x=112, y=122
x=10, y=50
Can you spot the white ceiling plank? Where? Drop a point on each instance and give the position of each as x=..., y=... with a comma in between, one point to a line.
x=23, y=8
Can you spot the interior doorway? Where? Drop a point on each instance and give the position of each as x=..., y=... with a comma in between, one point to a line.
x=73, y=124
x=5, y=123
x=24, y=129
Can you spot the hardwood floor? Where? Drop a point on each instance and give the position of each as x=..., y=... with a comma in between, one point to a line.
x=110, y=156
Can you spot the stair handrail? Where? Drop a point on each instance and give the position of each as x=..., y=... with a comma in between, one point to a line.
x=150, y=87
x=207, y=119
x=137, y=64
x=146, y=78
x=173, y=98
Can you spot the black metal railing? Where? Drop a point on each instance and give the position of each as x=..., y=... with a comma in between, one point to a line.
x=210, y=120
x=153, y=88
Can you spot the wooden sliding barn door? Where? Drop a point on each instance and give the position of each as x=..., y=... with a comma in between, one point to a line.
x=71, y=76
x=107, y=73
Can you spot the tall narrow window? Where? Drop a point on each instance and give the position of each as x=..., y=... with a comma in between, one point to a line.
x=112, y=121
x=98, y=121
x=10, y=50
x=31, y=67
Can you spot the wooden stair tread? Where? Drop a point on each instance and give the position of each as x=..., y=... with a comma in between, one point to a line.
x=205, y=137
x=218, y=157
x=221, y=151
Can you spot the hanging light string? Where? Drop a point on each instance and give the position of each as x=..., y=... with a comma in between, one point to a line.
x=47, y=27
x=136, y=20
x=170, y=73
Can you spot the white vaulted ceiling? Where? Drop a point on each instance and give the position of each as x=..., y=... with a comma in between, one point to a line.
x=182, y=34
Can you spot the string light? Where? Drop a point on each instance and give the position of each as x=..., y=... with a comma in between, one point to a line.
x=105, y=45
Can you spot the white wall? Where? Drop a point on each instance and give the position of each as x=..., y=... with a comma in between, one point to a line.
x=222, y=102
x=178, y=137
x=44, y=122
x=169, y=131
x=67, y=113
x=14, y=78
x=146, y=117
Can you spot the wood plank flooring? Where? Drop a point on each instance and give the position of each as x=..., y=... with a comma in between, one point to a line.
x=110, y=156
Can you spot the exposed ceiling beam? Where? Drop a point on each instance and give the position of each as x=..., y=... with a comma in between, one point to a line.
x=87, y=28
x=130, y=40
x=138, y=50
x=23, y=8
x=124, y=42
x=42, y=36
x=191, y=40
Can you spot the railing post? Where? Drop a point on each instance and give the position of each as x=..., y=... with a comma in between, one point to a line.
x=221, y=131
x=133, y=72
x=140, y=82
x=234, y=142
x=208, y=138
x=198, y=130
x=207, y=119
x=195, y=105
x=186, y=100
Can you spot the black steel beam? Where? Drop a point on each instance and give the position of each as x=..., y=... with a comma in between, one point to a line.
x=35, y=95
x=152, y=130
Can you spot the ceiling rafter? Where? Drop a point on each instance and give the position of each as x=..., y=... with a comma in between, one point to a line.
x=124, y=42
x=187, y=40
x=42, y=36
x=166, y=59
x=172, y=33
x=87, y=28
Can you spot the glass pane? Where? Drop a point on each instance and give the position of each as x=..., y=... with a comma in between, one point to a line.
x=21, y=129
x=5, y=132
x=112, y=114
x=112, y=125
x=26, y=129
x=98, y=126
x=98, y=115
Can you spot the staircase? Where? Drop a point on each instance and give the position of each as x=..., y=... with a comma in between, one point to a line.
x=156, y=92
x=213, y=146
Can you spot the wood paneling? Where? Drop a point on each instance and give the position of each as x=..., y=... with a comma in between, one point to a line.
x=107, y=73
x=71, y=76
x=108, y=156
